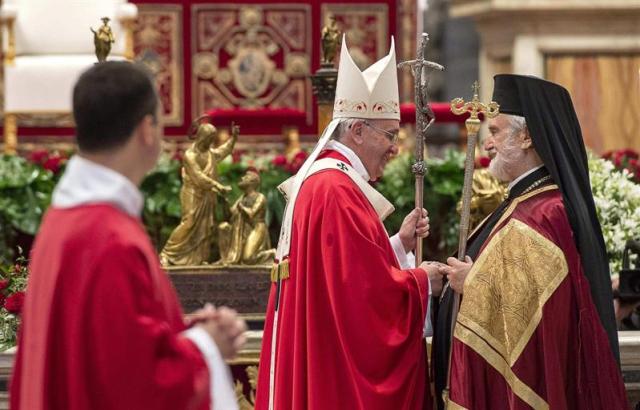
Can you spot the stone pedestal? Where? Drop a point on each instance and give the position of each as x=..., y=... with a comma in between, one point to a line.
x=245, y=289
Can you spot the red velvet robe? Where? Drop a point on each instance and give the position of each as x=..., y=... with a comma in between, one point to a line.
x=101, y=321
x=350, y=320
x=528, y=334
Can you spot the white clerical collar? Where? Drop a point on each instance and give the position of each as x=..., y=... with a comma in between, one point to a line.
x=521, y=177
x=86, y=182
x=351, y=156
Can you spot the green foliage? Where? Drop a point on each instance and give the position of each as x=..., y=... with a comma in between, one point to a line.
x=161, y=190
x=442, y=190
x=25, y=194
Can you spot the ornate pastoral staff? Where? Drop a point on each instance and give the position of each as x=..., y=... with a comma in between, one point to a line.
x=475, y=107
x=424, y=118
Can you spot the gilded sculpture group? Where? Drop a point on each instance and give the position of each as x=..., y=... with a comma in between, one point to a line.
x=244, y=238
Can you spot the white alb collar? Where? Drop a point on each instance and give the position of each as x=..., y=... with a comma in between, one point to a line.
x=355, y=161
x=86, y=182
x=521, y=177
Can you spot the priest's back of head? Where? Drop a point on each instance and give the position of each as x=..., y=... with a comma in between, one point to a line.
x=115, y=108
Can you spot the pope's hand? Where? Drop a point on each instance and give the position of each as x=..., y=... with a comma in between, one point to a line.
x=435, y=276
x=457, y=272
x=414, y=225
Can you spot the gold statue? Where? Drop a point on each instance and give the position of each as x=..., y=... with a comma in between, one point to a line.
x=244, y=402
x=190, y=242
x=292, y=141
x=487, y=193
x=330, y=38
x=245, y=238
x=102, y=40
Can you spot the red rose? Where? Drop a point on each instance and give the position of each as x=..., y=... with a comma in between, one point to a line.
x=38, y=157
x=53, y=164
x=296, y=162
x=617, y=162
x=483, y=162
x=4, y=283
x=279, y=161
x=630, y=153
x=302, y=155
x=633, y=162
x=14, y=302
x=607, y=155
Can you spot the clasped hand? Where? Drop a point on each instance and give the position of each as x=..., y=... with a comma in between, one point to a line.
x=223, y=326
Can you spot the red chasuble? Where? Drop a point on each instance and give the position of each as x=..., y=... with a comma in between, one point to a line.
x=350, y=320
x=528, y=334
x=101, y=321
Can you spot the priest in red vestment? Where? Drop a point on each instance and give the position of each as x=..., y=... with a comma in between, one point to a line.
x=346, y=317
x=101, y=326
x=536, y=326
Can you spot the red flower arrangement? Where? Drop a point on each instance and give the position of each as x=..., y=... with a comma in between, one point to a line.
x=625, y=159
x=292, y=166
x=52, y=161
x=13, y=283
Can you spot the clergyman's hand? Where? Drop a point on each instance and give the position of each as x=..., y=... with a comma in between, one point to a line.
x=227, y=331
x=414, y=225
x=435, y=276
x=457, y=272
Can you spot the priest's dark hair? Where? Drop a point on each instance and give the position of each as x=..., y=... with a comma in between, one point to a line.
x=109, y=101
x=557, y=138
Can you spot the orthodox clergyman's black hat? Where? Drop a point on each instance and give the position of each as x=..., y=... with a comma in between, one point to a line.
x=557, y=138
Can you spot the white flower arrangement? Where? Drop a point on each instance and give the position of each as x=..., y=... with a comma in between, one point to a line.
x=617, y=200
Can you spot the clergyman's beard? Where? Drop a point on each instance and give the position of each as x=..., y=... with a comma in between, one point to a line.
x=496, y=168
x=505, y=161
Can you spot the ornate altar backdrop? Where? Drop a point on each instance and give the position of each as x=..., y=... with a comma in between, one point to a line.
x=250, y=55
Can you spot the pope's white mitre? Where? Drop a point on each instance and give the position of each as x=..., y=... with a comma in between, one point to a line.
x=372, y=93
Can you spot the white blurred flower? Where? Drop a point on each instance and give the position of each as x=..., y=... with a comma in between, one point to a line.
x=617, y=200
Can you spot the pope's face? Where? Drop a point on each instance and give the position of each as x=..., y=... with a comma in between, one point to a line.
x=380, y=145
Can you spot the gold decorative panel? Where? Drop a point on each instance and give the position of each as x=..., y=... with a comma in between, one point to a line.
x=366, y=26
x=407, y=34
x=158, y=45
x=605, y=89
x=251, y=56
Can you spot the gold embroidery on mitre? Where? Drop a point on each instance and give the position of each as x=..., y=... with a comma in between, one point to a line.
x=508, y=286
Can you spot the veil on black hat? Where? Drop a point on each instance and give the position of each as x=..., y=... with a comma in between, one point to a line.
x=557, y=138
